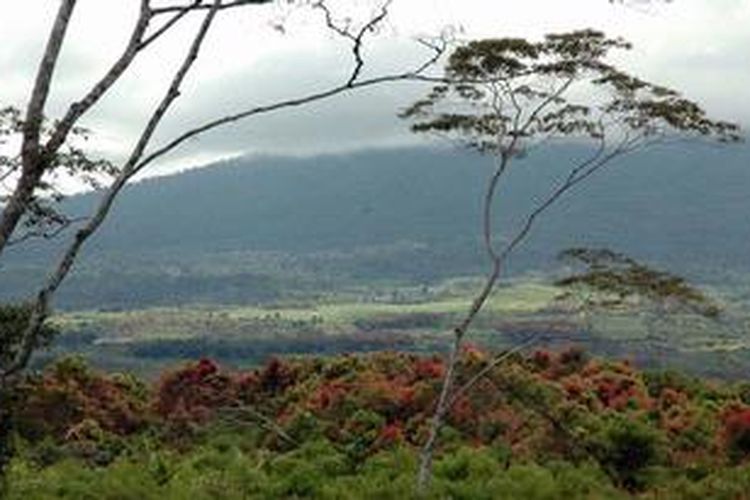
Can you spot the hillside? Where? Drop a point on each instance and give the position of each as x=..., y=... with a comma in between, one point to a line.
x=252, y=229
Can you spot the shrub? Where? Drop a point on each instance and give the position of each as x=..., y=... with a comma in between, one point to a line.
x=626, y=448
x=736, y=431
x=191, y=395
x=69, y=395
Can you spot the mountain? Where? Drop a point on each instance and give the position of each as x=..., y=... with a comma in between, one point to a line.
x=249, y=229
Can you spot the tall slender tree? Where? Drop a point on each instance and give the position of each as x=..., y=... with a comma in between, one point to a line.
x=507, y=96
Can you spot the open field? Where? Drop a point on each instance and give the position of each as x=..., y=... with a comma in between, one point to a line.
x=408, y=318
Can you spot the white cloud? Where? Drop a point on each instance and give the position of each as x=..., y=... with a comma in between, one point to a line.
x=696, y=45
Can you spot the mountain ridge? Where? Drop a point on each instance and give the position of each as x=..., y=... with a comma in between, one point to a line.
x=686, y=206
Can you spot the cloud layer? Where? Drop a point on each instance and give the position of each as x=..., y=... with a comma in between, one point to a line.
x=700, y=47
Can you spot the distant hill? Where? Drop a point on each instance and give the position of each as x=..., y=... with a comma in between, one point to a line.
x=251, y=228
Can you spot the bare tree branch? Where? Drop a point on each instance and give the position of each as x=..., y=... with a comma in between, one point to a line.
x=411, y=75
x=357, y=38
x=77, y=109
x=47, y=234
x=41, y=306
x=164, y=27
x=197, y=5
x=531, y=340
x=36, y=159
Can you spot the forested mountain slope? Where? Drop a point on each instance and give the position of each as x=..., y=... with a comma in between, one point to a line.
x=248, y=228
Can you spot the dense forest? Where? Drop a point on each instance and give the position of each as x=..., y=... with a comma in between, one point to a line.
x=545, y=425
x=272, y=226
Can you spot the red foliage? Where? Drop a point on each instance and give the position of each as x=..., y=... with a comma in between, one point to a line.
x=193, y=393
x=621, y=392
x=429, y=368
x=462, y=412
x=276, y=376
x=391, y=434
x=248, y=385
x=205, y=368
x=607, y=389
x=671, y=397
x=541, y=359
x=395, y=392
x=554, y=366
x=327, y=396
x=575, y=386
x=69, y=394
x=736, y=430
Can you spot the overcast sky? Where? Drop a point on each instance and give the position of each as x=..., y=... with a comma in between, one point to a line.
x=701, y=47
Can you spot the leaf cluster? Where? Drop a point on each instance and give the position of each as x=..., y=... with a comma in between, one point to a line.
x=43, y=217
x=499, y=92
x=13, y=321
x=620, y=278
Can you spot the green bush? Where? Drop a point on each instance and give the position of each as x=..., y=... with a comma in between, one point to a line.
x=626, y=448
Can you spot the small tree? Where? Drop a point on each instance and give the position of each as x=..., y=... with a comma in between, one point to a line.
x=506, y=96
x=611, y=281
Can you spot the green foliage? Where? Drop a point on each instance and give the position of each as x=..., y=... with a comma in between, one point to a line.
x=315, y=471
x=627, y=448
x=614, y=279
x=43, y=217
x=547, y=426
x=13, y=321
x=501, y=94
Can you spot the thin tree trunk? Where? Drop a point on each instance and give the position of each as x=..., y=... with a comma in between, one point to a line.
x=444, y=401
x=426, y=455
x=577, y=175
x=17, y=204
x=33, y=158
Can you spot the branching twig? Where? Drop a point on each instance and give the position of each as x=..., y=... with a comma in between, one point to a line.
x=36, y=158
x=136, y=162
x=166, y=26
x=416, y=74
x=63, y=224
x=77, y=109
x=531, y=340
x=356, y=39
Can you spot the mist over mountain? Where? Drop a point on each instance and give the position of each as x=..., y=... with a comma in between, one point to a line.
x=248, y=229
